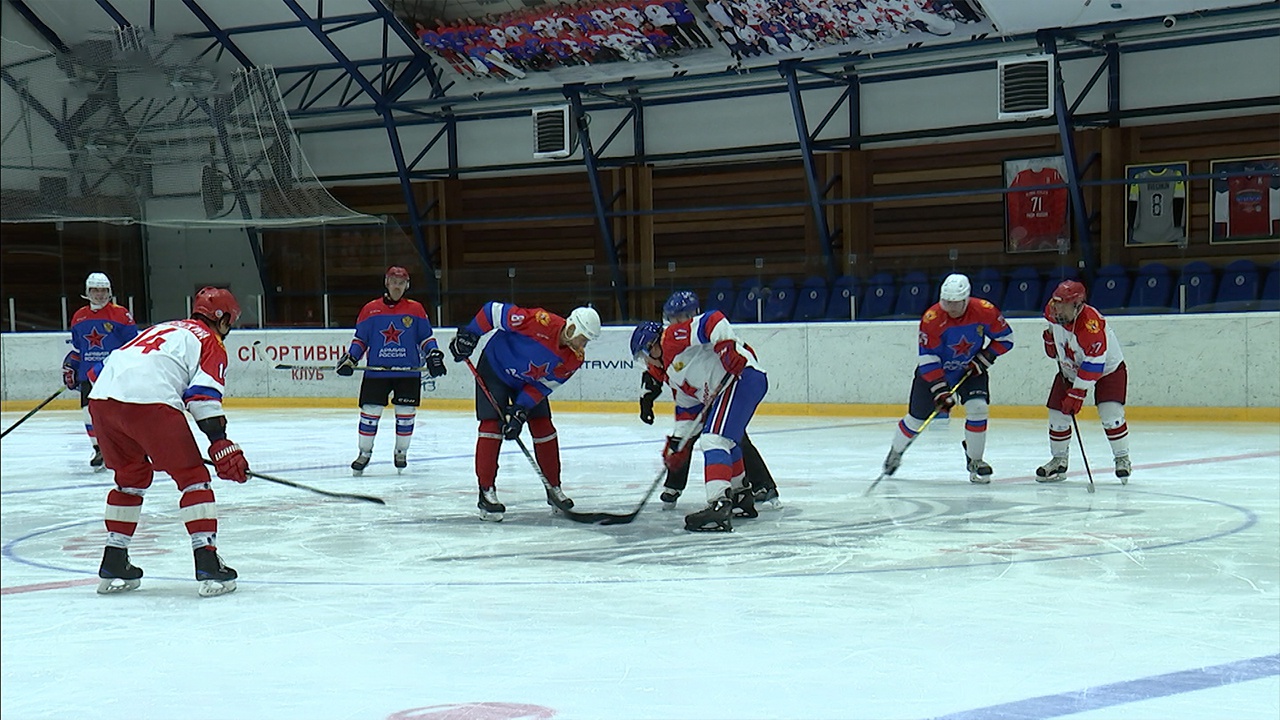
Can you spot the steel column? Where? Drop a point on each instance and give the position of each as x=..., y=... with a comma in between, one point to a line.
x=578, y=117
x=788, y=70
x=1066, y=132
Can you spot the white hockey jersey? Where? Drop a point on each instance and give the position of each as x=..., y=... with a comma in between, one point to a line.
x=182, y=364
x=693, y=367
x=1087, y=350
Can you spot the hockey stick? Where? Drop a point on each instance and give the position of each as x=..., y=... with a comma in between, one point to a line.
x=318, y=491
x=33, y=411
x=600, y=518
x=546, y=484
x=919, y=432
x=358, y=368
x=1083, y=457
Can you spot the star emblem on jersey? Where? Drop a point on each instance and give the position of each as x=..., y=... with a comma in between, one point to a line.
x=961, y=347
x=537, y=372
x=95, y=338
x=391, y=335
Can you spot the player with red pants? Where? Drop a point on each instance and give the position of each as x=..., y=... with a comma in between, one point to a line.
x=136, y=403
x=530, y=354
x=1089, y=358
x=959, y=335
x=698, y=350
x=96, y=330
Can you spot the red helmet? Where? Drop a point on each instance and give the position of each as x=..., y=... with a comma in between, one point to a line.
x=395, y=271
x=215, y=304
x=1069, y=291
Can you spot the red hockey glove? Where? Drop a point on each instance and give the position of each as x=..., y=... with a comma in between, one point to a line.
x=69, y=377
x=228, y=460
x=1050, y=348
x=982, y=362
x=1074, y=400
x=733, y=361
x=673, y=457
x=942, y=397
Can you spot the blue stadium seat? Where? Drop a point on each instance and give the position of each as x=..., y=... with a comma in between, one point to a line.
x=880, y=297
x=1022, y=297
x=1152, y=289
x=781, y=302
x=720, y=296
x=1270, y=297
x=1111, y=288
x=745, y=307
x=838, y=307
x=988, y=284
x=1052, y=279
x=1239, y=287
x=914, y=293
x=811, y=300
x=1198, y=284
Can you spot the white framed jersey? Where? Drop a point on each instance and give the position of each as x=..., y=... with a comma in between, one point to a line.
x=1157, y=204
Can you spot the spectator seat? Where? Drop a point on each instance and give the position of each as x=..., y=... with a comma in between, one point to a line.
x=780, y=303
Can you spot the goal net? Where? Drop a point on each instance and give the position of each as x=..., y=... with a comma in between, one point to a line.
x=133, y=129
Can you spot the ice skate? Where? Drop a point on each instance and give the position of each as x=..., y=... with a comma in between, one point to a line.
x=557, y=499
x=360, y=463
x=1053, y=471
x=744, y=504
x=215, y=578
x=669, y=497
x=96, y=462
x=892, y=462
x=717, y=516
x=1124, y=469
x=979, y=471
x=117, y=573
x=490, y=508
x=401, y=459
x=768, y=497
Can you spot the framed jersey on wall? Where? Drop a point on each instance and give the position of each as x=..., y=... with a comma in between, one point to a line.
x=1156, y=209
x=1037, y=215
x=1246, y=199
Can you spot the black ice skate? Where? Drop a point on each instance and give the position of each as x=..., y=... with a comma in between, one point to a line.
x=744, y=504
x=768, y=497
x=715, y=517
x=360, y=463
x=96, y=462
x=117, y=573
x=557, y=499
x=1053, y=471
x=669, y=497
x=490, y=508
x=215, y=578
x=401, y=460
x=892, y=462
x=979, y=470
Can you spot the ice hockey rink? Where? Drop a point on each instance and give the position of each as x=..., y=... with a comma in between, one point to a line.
x=929, y=598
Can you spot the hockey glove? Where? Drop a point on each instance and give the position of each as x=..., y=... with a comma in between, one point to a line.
x=1050, y=348
x=673, y=457
x=435, y=364
x=515, y=422
x=733, y=361
x=653, y=388
x=942, y=397
x=228, y=460
x=463, y=344
x=982, y=362
x=69, y=376
x=346, y=365
x=1074, y=400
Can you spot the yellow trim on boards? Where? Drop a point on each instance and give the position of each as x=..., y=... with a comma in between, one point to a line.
x=1025, y=412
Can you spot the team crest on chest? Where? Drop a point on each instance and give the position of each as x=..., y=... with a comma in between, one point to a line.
x=1091, y=325
x=107, y=326
x=677, y=365
x=407, y=321
x=543, y=317
x=929, y=315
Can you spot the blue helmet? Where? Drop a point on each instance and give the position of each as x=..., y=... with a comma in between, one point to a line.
x=644, y=335
x=682, y=303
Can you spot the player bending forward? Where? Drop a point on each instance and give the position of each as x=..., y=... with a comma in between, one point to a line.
x=137, y=404
x=698, y=350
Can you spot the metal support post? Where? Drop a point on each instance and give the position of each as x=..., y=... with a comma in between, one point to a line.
x=577, y=116
x=788, y=71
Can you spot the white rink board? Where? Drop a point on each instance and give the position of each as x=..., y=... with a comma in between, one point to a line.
x=1174, y=361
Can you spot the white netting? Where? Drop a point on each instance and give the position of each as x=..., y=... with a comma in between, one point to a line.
x=133, y=130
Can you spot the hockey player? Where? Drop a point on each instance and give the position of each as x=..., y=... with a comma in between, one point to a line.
x=1089, y=357
x=531, y=353
x=699, y=350
x=395, y=333
x=136, y=404
x=96, y=330
x=958, y=334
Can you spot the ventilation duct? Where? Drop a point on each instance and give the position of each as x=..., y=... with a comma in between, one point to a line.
x=554, y=134
x=1026, y=87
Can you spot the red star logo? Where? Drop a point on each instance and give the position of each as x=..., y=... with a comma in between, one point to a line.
x=537, y=372
x=95, y=338
x=962, y=347
x=391, y=335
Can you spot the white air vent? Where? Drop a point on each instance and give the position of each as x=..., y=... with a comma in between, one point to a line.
x=1026, y=87
x=554, y=134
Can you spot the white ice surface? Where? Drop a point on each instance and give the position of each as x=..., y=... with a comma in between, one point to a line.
x=931, y=597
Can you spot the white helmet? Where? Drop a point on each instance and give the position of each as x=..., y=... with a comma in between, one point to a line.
x=96, y=280
x=955, y=288
x=585, y=322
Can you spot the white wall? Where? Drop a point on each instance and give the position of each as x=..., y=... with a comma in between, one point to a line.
x=1230, y=361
